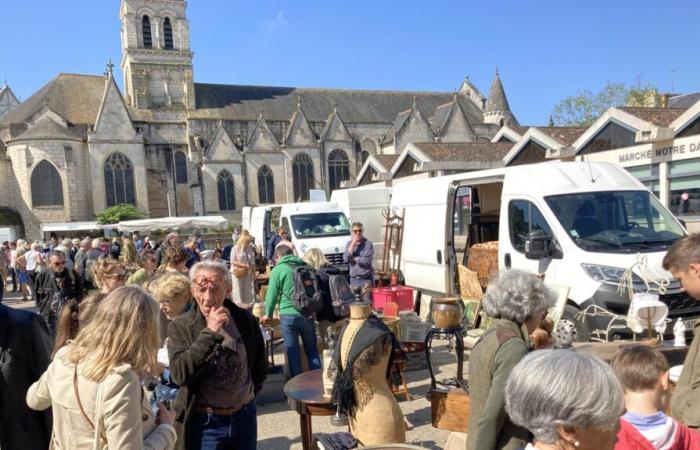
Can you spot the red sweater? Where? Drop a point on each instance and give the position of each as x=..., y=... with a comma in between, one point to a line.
x=629, y=438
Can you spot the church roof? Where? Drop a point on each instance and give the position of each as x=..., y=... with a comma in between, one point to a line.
x=234, y=102
x=47, y=128
x=497, y=100
x=74, y=97
x=464, y=151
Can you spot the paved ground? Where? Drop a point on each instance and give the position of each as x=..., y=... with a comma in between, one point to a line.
x=278, y=426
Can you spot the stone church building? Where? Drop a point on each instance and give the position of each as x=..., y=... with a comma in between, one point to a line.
x=172, y=146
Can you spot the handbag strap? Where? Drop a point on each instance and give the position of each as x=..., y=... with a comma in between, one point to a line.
x=82, y=410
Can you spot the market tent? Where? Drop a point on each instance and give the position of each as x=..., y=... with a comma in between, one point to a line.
x=72, y=226
x=173, y=223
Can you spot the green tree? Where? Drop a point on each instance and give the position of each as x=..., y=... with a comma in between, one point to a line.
x=117, y=213
x=585, y=107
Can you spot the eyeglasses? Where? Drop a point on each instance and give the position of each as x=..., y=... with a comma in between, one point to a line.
x=119, y=276
x=202, y=284
x=357, y=230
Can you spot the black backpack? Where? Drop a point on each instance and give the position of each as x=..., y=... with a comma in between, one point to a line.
x=307, y=295
x=341, y=295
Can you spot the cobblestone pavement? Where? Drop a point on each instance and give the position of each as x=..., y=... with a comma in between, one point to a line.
x=278, y=426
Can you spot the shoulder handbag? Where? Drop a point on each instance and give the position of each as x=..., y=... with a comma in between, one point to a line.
x=99, y=435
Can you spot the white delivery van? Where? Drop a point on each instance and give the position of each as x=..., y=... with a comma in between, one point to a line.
x=580, y=224
x=365, y=205
x=321, y=225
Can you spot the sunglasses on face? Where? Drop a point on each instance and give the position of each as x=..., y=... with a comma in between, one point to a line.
x=357, y=230
x=58, y=263
x=119, y=276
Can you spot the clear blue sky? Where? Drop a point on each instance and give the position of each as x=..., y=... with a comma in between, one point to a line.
x=544, y=50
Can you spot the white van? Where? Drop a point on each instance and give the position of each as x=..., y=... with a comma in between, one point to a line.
x=365, y=205
x=580, y=224
x=321, y=225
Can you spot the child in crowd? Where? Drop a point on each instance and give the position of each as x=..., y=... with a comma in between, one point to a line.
x=643, y=373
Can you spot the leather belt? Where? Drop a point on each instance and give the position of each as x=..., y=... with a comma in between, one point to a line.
x=216, y=411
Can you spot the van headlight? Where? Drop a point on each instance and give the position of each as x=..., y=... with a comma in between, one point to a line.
x=608, y=274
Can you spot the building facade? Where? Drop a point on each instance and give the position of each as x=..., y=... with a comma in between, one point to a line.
x=172, y=146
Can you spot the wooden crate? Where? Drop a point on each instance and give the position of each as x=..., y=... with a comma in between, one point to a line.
x=450, y=409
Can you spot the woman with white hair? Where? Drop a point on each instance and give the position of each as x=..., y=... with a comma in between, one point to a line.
x=517, y=302
x=567, y=400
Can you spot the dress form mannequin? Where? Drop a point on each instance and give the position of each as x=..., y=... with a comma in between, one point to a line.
x=377, y=418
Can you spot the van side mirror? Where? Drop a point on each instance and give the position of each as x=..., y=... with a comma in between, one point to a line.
x=537, y=245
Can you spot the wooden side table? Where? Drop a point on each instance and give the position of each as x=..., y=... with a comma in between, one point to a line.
x=305, y=396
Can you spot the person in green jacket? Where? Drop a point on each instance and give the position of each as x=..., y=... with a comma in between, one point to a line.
x=292, y=322
x=683, y=261
x=517, y=301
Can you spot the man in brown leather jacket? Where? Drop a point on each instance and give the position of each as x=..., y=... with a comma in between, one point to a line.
x=217, y=357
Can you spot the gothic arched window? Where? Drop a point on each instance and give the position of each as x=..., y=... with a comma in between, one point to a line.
x=338, y=168
x=146, y=32
x=266, y=185
x=227, y=199
x=180, y=168
x=119, y=180
x=303, y=176
x=47, y=187
x=167, y=34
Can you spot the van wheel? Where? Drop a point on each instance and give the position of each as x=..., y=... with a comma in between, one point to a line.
x=569, y=315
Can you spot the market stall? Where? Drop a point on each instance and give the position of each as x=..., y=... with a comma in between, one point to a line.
x=173, y=223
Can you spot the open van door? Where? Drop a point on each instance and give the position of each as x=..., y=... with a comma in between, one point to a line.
x=425, y=238
x=245, y=217
x=260, y=226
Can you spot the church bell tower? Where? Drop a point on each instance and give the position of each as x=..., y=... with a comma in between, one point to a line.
x=156, y=56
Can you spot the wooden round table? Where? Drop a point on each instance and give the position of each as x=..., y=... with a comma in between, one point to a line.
x=305, y=396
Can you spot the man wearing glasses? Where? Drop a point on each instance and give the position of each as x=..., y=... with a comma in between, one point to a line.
x=217, y=357
x=359, y=253
x=54, y=287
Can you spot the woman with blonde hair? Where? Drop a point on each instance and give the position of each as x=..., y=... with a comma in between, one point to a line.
x=94, y=383
x=243, y=270
x=108, y=275
x=174, y=295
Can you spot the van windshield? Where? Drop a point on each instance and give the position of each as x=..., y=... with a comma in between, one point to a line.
x=615, y=221
x=320, y=225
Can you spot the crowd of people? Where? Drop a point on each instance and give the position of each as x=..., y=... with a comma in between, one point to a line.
x=121, y=321
x=124, y=324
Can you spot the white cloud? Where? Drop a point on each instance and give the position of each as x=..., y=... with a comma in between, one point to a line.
x=276, y=22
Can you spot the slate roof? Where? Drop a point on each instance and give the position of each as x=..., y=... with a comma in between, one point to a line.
x=74, y=97
x=235, y=102
x=47, y=128
x=497, y=100
x=684, y=101
x=387, y=160
x=464, y=151
x=564, y=135
x=661, y=117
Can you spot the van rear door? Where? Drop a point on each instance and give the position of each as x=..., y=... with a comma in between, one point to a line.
x=259, y=226
x=424, y=247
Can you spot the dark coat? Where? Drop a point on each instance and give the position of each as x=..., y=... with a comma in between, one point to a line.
x=46, y=285
x=191, y=346
x=25, y=353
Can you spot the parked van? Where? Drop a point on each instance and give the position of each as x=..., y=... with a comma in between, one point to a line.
x=365, y=205
x=321, y=225
x=578, y=224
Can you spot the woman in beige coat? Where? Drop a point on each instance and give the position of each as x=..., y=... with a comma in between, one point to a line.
x=243, y=257
x=94, y=383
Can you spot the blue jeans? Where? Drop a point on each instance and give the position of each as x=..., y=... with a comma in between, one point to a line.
x=293, y=327
x=239, y=431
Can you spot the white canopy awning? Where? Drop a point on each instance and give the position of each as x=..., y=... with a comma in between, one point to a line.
x=173, y=223
x=71, y=226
